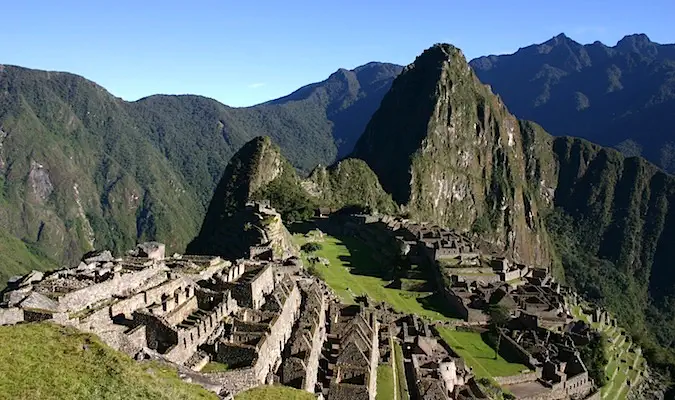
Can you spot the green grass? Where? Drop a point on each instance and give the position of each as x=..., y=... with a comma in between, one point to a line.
x=616, y=387
x=385, y=383
x=352, y=272
x=46, y=361
x=214, y=366
x=275, y=393
x=19, y=258
x=478, y=354
x=400, y=372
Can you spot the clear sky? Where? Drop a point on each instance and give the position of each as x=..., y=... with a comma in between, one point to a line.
x=244, y=52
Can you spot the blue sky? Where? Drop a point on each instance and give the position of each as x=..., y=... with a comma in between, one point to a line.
x=246, y=52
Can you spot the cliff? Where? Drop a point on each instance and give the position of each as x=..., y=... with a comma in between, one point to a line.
x=448, y=151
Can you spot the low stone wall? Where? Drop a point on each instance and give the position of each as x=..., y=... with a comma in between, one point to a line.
x=509, y=346
x=520, y=378
x=118, y=285
x=184, y=310
x=237, y=380
x=11, y=316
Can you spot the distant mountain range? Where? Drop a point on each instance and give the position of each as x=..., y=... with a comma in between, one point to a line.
x=621, y=96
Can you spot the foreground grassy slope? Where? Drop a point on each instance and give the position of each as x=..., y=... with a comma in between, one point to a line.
x=46, y=361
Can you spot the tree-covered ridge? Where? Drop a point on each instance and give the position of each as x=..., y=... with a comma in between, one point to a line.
x=620, y=96
x=80, y=168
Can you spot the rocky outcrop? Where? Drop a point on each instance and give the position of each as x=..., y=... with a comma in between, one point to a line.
x=448, y=151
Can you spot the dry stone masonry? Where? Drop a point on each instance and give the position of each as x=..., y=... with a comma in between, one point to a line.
x=230, y=325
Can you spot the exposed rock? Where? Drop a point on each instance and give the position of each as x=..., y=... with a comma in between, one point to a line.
x=39, y=180
x=98, y=256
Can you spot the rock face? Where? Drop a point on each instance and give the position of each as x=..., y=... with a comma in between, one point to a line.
x=448, y=151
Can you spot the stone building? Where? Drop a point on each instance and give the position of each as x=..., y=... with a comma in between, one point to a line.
x=301, y=363
x=438, y=372
x=559, y=371
x=354, y=353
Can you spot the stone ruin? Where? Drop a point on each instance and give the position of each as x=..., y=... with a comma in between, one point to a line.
x=558, y=369
x=439, y=373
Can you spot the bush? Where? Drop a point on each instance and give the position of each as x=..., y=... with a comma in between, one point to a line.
x=311, y=247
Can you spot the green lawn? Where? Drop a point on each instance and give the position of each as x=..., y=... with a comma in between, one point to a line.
x=46, y=361
x=352, y=272
x=385, y=383
x=214, y=366
x=275, y=393
x=478, y=354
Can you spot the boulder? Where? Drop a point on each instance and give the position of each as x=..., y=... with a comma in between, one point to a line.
x=98, y=256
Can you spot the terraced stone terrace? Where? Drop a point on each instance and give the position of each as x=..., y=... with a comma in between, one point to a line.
x=626, y=364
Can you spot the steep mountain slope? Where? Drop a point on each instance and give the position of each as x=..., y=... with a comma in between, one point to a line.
x=80, y=168
x=258, y=171
x=78, y=173
x=448, y=151
x=619, y=96
x=347, y=98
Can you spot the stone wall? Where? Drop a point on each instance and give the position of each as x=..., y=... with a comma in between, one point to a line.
x=262, y=285
x=10, y=316
x=237, y=380
x=270, y=351
x=188, y=340
x=520, y=378
x=509, y=346
x=120, y=284
x=174, y=289
x=179, y=314
x=317, y=344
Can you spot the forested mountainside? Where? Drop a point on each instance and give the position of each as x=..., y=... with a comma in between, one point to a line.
x=621, y=96
x=449, y=151
x=80, y=168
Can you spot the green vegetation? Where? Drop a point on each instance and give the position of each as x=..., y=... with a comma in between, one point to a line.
x=148, y=169
x=610, y=360
x=478, y=354
x=605, y=75
x=274, y=393
x=44, y=361
x=311, y=247
x=215, y=366
x=385, y=383
x=353, y=272
x=605, y=283
x=400, y=372
x=19, y=257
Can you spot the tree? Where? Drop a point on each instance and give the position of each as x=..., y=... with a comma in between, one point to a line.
x=499, y=317
x=311, y=247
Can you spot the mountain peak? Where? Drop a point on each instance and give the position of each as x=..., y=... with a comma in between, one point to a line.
x=636, y=43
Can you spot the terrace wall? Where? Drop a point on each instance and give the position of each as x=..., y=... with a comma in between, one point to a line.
x=120, y=284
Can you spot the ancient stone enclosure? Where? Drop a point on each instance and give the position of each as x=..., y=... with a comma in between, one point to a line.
x=230, y=325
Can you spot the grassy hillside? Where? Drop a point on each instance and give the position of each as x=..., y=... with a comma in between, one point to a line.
x=44, y=361
x=19, y=258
